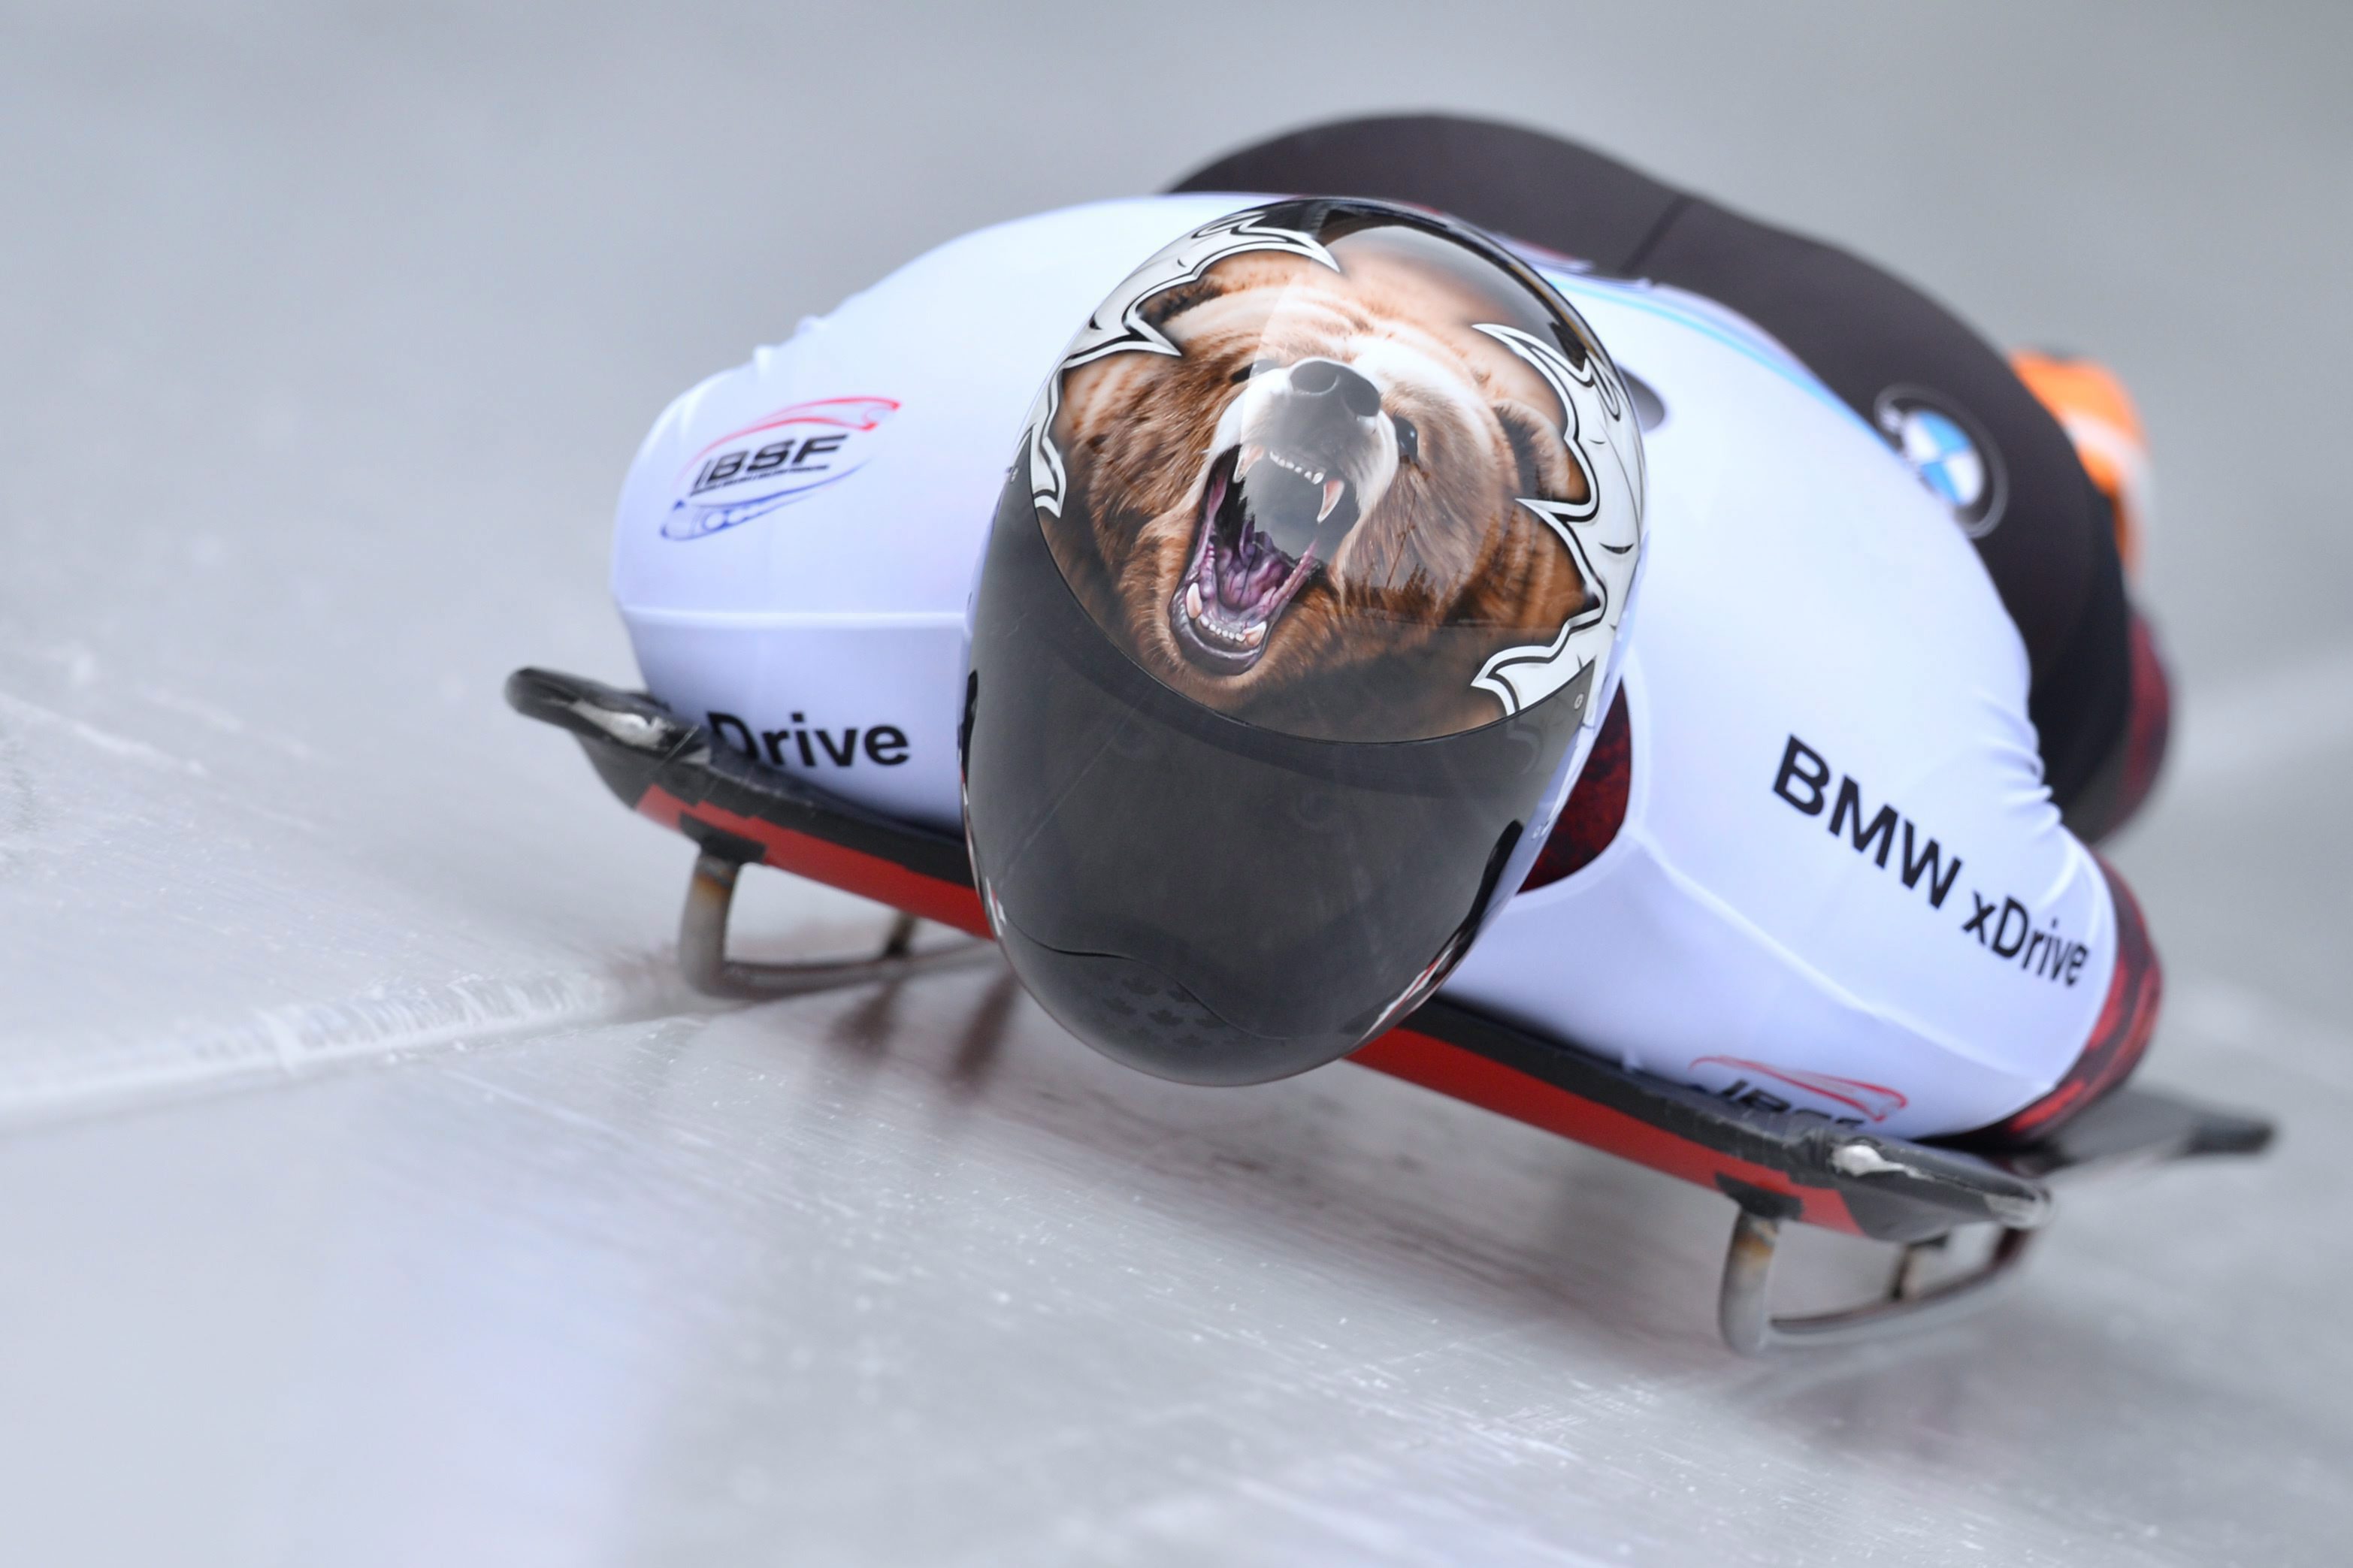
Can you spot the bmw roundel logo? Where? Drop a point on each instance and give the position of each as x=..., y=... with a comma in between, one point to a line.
x=1949, y=453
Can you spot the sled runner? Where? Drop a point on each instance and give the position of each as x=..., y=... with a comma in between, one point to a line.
x=1775, y=1165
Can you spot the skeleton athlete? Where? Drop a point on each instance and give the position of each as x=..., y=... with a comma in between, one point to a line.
x=1877, y=688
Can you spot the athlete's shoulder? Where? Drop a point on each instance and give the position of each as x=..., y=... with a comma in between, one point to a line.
x=880, y=419
x=1832, y=776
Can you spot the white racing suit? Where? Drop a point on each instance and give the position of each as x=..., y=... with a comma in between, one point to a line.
x=1838, y=881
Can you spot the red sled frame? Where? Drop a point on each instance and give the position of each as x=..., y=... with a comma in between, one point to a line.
x=1775, y=1165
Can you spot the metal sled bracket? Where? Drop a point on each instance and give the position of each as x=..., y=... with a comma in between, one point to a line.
x=2134, y=1128
x=702, y=948
x=1745, y=1316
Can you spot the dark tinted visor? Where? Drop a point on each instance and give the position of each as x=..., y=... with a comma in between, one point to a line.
x=1205, y=899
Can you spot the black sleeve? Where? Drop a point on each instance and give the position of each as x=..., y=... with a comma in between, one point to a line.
x=2040, y=524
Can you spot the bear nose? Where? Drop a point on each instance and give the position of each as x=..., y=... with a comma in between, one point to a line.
x=1330, y=378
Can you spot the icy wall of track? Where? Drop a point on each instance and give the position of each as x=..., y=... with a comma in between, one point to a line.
x=368, y=1191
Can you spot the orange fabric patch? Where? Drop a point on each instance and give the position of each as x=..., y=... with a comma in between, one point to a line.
x=2097, y=413
x=2072, y=387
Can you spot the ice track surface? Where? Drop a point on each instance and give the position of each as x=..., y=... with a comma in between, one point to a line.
x=370, y=1194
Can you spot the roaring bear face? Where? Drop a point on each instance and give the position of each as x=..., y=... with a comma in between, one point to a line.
x=1312, y=515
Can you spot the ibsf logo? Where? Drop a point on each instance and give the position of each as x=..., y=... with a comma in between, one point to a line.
x=787, y=455
x=1853, y=1101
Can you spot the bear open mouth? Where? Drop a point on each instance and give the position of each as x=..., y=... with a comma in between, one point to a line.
x=1265, y=517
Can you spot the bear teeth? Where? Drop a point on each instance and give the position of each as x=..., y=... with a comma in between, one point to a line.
x=1312, y=476
x=1239, y=637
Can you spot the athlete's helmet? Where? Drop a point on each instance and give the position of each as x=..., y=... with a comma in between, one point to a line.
x=1296, y=624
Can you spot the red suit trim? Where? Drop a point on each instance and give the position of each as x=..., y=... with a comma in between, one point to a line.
x=1597, y=802
x=2119, y=1036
